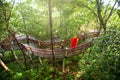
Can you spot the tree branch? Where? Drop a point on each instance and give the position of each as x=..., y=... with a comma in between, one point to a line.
x=99, y=9
x=83, y=4
x=111, y=11
x=7, y=18
x=106, y=8
x=11, y=10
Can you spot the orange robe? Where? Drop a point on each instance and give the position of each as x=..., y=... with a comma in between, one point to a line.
x=74, y=42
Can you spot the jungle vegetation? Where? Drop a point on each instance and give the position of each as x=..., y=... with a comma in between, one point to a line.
x=64, y=19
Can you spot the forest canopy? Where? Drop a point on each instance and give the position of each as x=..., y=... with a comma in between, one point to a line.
x=70, y=17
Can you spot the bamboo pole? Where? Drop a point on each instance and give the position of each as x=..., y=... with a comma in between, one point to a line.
x=3, y=65
x=40, y=61
x=64, y=59
x=13, y=53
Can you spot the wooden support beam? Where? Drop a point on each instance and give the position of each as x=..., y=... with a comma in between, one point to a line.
x=3, y=65
x=40, y=61
x=63, y=65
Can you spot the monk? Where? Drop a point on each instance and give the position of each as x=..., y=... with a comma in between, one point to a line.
x=74, y=42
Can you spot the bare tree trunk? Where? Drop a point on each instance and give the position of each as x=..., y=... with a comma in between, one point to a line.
x=50, y=22
x=14, y=55
x=19, y=47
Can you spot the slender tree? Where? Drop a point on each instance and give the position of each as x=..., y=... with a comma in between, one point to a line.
x=100, y=11
x=7, y=16
x=51, y=33
x=103, y=19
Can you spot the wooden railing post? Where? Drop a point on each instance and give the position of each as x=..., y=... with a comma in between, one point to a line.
x=63, y=65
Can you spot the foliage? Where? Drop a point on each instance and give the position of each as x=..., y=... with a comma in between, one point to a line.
x=70, y=17
x=102, y=61
x=2, y=22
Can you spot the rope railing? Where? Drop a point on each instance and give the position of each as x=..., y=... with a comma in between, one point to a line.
x=48, y=43
x=8, y=47
x=9, y=41
x=63, y=42
x=59, y=53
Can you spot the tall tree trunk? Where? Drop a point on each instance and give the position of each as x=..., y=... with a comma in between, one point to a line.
x=20, y=48
x=51, y=34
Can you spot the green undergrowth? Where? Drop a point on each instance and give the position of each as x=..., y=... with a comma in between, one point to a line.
x=99, y=62
x=102, y=60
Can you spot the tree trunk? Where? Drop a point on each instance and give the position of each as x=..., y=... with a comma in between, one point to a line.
x=14, y=55
x=102, y=26
x=20, y=48
x=51, y=34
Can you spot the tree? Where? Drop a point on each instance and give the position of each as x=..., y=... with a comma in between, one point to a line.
x=7, y=8
x=99, y=10
x=51, y=34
